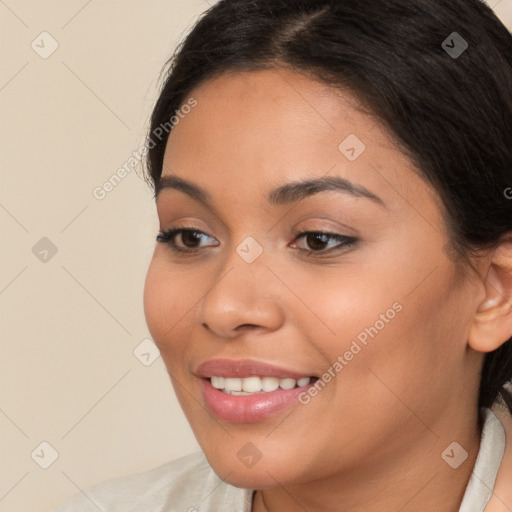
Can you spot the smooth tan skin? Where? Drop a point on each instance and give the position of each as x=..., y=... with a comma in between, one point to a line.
x=372, y=439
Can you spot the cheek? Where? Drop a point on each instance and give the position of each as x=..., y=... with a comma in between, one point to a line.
x=346, y=306
x=389, y=321
x=168, y=305
x=413, y=357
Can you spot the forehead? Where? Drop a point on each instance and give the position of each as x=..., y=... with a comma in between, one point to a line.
x=257, y=130
x=276, y=105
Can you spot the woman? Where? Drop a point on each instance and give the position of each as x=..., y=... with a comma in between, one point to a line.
x=331, y=291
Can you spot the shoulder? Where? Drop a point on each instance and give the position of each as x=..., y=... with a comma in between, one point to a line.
x=181, y=484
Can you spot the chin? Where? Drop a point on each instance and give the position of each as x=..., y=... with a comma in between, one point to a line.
x=249, y=478
x=262, y=473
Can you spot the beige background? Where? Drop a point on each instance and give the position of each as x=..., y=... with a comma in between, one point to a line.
x=69, y=325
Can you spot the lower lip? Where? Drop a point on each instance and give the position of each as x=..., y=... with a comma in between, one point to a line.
x=249, y=408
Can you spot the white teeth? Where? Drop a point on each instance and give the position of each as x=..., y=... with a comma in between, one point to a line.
x=251, y=385
x=287, y=383
x=218, y=382
x=269, y=383
x=232, y=384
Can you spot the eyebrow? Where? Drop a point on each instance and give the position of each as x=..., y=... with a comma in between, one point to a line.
x=285, y=194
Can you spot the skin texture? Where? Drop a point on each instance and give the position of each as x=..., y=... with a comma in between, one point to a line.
x=372, y=439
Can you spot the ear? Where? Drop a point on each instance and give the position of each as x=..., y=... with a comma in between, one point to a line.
x=492, y=323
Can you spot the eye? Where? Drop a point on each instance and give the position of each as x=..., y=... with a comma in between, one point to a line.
x=188, y=236
x=316, y=240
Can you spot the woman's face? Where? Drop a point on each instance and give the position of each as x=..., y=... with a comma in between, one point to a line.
x=380, y=318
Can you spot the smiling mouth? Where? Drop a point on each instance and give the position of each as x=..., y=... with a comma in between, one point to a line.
x=254, y=385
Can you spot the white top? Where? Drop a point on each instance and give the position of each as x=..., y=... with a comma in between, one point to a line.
x=492, y=448
x=188, y=484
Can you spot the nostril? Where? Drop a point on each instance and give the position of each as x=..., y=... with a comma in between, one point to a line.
x=246, y=325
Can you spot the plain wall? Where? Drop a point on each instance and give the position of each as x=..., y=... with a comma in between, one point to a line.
x=70, y=321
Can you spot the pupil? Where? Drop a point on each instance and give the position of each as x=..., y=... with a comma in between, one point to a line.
x=316, y=236
x=192, y=234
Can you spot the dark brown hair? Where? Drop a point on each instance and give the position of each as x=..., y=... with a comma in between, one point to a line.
x=448, y=107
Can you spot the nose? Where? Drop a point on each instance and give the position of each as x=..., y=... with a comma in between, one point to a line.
x=244, y=296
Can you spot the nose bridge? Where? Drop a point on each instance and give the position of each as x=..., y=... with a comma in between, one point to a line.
x=245, y=292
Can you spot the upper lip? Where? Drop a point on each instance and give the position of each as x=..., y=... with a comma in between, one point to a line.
x=245, y=368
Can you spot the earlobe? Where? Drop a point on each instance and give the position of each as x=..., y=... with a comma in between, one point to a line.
x=492, y=322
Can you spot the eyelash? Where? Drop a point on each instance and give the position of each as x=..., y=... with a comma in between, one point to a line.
x=167, y=237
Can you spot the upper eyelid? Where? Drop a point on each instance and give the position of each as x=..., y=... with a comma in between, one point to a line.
x=344, y=242
x=296, y=232
x=289, y=196
x=350, y=231
x=177, y=230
